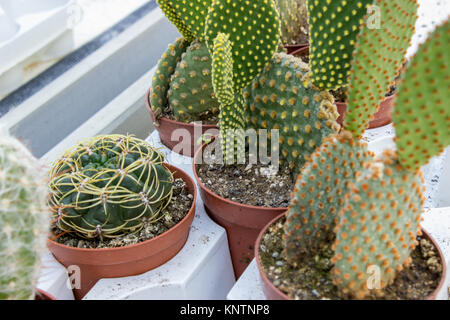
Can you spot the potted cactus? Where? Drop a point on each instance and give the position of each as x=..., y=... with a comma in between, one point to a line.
x=258, y=89
x=181, y=96
x=23, y=220
x=294, y=24
x=352, y=229
x=118, y=209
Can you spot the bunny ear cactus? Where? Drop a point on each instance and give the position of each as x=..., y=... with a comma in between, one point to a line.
x=242, y=36
x=164, y=71
x=282, y=98
x=376, y=218
x=106, y=186
x=333, y=29
x=294, y=21
x=191, y=93
x=379, y=54
x=253, y=28
x=378, y=226
x=319, y=194
x=188, y=16
x=421, y=114
x=23, y=220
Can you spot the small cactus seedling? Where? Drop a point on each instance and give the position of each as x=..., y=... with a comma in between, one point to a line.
x=23, y=220
x=106, y=186
x=294, y=21
x=373, y=206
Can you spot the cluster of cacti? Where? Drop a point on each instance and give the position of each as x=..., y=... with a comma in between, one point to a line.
x=282, y=97
x=106, y=186
x=23, y=220
x=182, y=81
x=372, y=207
x=294, y=21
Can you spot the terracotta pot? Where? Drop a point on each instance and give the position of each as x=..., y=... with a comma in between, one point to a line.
x=42, y=295
x=380, y=118
x=242, y=222
x=291, y=48
x=96, y=264
x=302, y=49
x=186, y=144
x=273, y=293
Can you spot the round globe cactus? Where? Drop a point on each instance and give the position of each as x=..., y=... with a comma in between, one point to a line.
x=23, y=220
x=106, y=186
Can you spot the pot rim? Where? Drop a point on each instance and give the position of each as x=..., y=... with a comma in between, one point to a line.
x=174, y=122
x=230, y=202
x=386, y=99
x=266, y=280
x=190, y=213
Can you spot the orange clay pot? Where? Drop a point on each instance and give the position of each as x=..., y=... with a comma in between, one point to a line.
x=185, y=145
x=242, y=222
x=293, y=48
x=273, y=293
x=96, y=264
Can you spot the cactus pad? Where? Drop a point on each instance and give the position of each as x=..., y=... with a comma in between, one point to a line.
x=23, y=220
x=333, y=29
x=282, y=97
x=161, y=79
x=421, y=114
x=105, y=186
x=378, y=225
x=319, y=194
x=187, y=15
x=191, y=92
x=379, y=55
x=254, y=33
x=231, y=104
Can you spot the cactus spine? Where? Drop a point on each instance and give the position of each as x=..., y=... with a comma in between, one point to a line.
x=23, y=220
x=106, y=186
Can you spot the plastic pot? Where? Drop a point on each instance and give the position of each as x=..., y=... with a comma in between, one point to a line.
x=292, y=48
x=96, y=264
x=184, y=140
x=242, y=222
x=273, y=293
x=42, y=295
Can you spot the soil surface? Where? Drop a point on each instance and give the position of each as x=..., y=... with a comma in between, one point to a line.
x=312, y=280
x=175, y=212
x=255, y=185
x=205, y=118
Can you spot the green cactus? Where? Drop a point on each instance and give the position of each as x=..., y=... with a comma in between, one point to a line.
x=378, y=225
x=333, y=29
x=378, y=57
x=282, y=97
x=421, y=114
x=23, y=220
x=161, y=80
x=253, y=28
x=319, y=194
x=106, y=186
x=187, y=15
x=294, y=21
x=191, y=93
x=232, y=121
